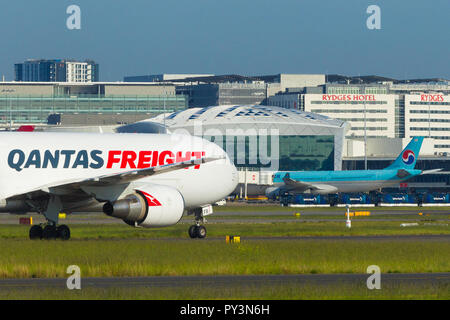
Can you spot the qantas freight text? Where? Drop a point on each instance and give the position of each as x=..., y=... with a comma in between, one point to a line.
x=126, y=159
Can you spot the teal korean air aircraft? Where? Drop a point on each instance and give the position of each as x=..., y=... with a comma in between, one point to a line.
x=326, y=182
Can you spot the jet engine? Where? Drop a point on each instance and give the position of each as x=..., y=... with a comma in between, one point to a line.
x=323, y=189
x=14, y=206
x=149, y=206
x=272, y=192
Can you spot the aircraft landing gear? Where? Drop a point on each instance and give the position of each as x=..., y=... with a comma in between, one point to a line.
x=50, y=232
x=197, y=230
x=35, y=232
x=63, y=232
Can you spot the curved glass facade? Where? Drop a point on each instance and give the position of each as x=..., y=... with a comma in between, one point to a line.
x=294, y=153
x=306, y=153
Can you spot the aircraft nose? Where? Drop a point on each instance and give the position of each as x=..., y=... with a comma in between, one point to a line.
x=234, y=176
x=229, y=173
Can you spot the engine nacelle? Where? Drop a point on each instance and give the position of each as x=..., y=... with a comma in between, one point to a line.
x=272, y=192
x=150, y=206
x=324, y=189
x=14, y=206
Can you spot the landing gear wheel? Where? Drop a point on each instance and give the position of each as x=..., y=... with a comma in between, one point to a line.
x=63, y=232
x=49, y=232
x=193, y=232
x=201, y=232
x=35, y=232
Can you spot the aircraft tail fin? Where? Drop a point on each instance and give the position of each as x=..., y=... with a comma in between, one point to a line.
x=408, y=157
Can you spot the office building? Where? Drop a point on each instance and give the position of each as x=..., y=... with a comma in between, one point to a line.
x=39, y=70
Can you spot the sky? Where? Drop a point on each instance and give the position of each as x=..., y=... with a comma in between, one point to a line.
x=248, y=37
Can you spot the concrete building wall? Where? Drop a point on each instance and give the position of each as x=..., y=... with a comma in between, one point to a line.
x=289, y=101
x=377, y=109
x=138, y=89
x=384, y=147
x=301, y=80
x=97, y=119
x=272, y=89
x=429, y=115
x=21, y=89
x=287, y=81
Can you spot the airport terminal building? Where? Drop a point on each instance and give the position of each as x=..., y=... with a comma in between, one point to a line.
x=266, y=138
x=101, y=103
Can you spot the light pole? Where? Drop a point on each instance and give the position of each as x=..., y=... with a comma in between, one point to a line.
x=429, y=119
x=365, y=136
x=10, y=115
x=165, y=110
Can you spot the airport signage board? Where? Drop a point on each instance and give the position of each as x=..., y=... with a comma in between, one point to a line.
x=348, y=97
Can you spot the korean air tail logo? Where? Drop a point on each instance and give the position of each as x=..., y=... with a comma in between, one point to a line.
x=408, y=157
x=151, y=200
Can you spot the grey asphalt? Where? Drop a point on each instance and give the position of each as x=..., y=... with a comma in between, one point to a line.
x=257, y=220
x=443, y=237
x=229, y=280
x=261, y=216
x=328, y=212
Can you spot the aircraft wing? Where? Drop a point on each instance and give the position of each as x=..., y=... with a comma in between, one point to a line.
x=402, y=173
x=115, y=178
x=431, y=171
x=298, y=186
x=301, y=186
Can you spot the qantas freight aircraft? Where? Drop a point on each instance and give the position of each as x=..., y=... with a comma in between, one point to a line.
x=144, y=179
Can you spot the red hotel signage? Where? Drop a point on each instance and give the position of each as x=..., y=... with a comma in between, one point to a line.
x=432, y=97
x=348, y=97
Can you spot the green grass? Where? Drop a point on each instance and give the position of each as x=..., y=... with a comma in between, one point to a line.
x=294, y=227
x=117, y=250
x=442, y=217
x=111, y=258
x=244, y=292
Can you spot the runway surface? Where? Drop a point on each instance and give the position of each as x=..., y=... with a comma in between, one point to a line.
x=229, y=280
x=328, y=212
x=442, y=238
x=266, y=216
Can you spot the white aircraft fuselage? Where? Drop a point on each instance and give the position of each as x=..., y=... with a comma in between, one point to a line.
x=32, y=162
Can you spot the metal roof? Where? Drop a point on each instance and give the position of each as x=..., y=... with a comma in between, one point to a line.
x=233, y=114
